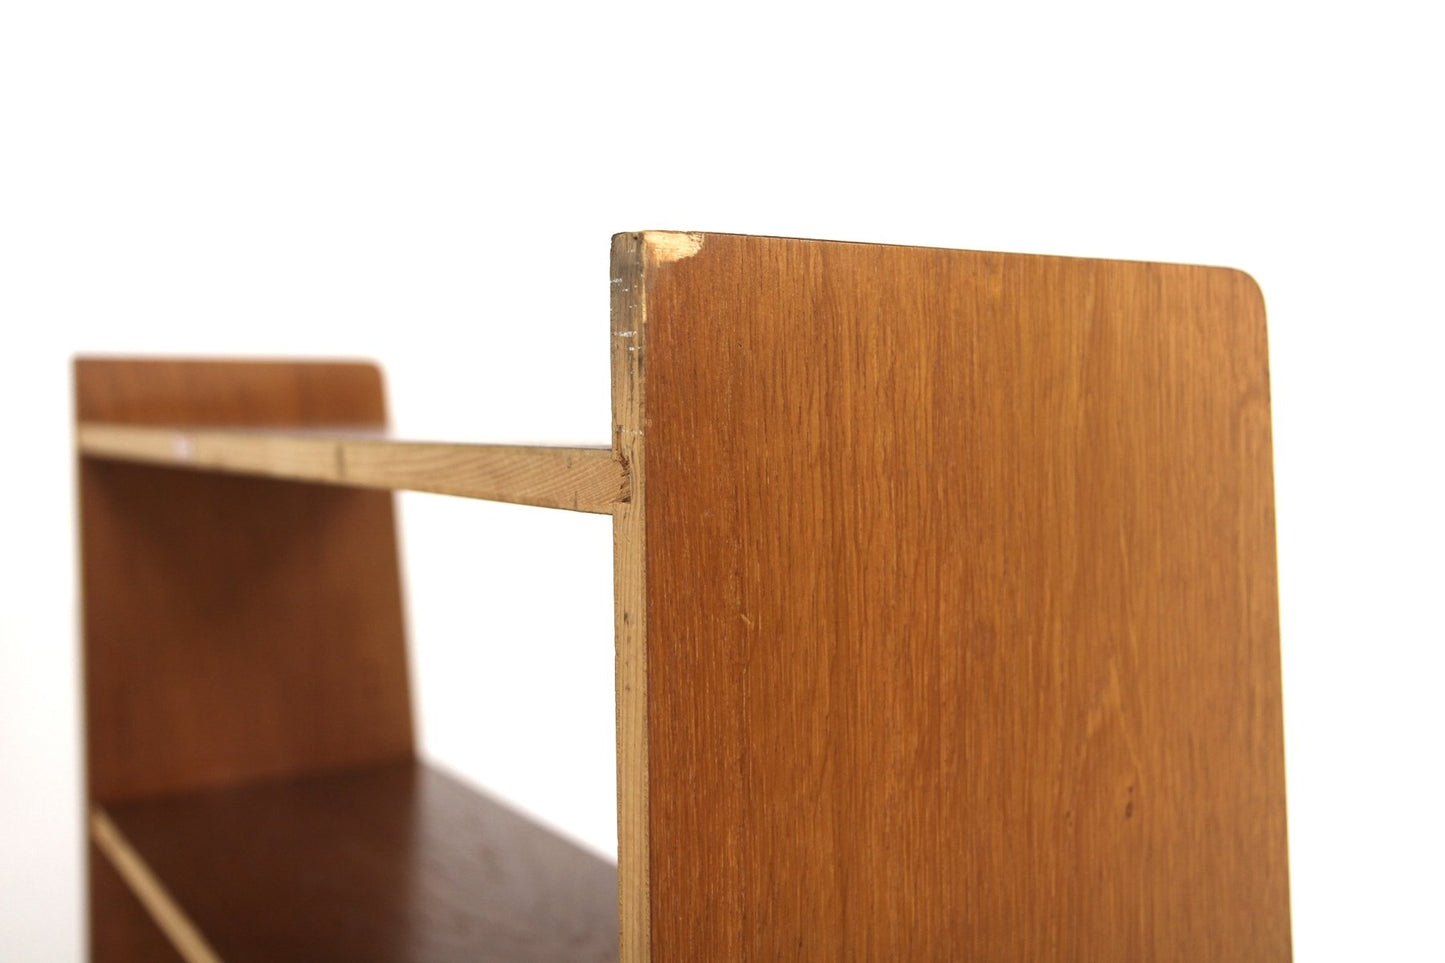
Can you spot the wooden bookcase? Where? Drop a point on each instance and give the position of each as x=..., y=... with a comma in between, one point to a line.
x=946, y=629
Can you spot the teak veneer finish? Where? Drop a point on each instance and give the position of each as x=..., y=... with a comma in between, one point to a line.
x=248, y=731
x=959, y=606
x=946, y=623
x=235, y=627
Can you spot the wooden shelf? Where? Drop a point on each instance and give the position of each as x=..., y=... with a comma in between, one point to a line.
x=392, y=862
x=945, y=629
x=580, y=479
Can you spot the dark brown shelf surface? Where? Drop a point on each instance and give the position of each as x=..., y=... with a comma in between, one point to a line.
x=396, y=863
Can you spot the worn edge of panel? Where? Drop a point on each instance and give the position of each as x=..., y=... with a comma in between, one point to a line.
x=152, y=893
x=634, y=258
x=578, y=479
x=631, y=256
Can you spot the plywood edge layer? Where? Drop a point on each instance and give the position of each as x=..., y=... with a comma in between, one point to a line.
x=579, y=479
x=151, y=892
x=629, y=348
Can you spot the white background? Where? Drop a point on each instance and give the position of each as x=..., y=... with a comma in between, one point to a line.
x=434, y=185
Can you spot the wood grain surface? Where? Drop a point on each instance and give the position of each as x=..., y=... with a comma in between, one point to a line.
x=392, y=863
x=234, y=627
x=580, y=479
x=243, y=394
x=960, y=607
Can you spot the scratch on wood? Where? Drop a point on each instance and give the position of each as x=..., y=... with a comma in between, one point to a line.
x=625, y=495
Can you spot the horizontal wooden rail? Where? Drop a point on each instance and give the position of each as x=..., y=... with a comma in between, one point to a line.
x=580, y=479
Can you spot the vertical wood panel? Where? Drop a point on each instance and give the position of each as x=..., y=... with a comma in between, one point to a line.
x=235, y=627
x=960, y=603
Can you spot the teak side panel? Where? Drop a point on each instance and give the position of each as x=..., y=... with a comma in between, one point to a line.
x=960, y=607
x=234, y=627
x=240, y=394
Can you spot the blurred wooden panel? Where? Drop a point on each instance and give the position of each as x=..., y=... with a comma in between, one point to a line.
x=960, y=609
x=235, y=627
x=252, y=394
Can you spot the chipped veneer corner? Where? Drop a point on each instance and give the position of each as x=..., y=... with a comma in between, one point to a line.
x=668, y=247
